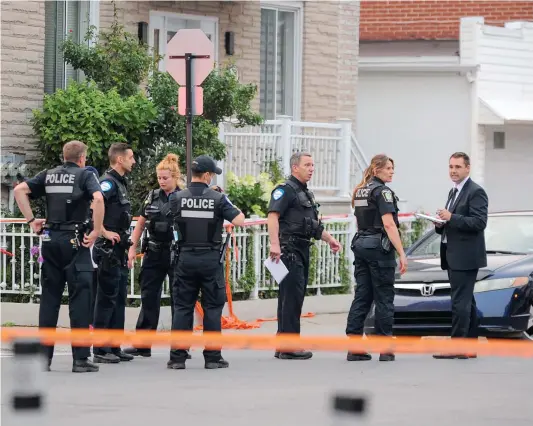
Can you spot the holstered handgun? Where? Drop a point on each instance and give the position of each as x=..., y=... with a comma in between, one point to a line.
x=174, y=253
x=125, y=242
x=386, y=244
x=144, y=242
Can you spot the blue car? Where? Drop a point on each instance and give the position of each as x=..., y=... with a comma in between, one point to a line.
x=503, y=291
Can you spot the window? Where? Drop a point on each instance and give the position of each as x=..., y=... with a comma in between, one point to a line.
x=164, y=26
x=512, y=233
x=430, y=247
x=279, y=62
x=62, y=19
x=499, y=140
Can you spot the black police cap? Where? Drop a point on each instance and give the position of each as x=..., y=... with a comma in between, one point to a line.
x=205, y=164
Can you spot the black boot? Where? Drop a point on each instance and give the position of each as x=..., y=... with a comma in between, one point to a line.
x=221, y=363
x=84, y=366
x=358, y=357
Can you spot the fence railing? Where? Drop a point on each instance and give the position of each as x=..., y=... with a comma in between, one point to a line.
x=251, y=149
x=20, y=273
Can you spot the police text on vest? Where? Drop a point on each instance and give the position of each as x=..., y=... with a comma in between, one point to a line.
x=198, y=203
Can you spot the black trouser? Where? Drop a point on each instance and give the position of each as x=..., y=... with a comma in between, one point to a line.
x=464, y=309
x=374, y=275
x=94, y=289
x=63, y=263
x=292, y=288
x=154, y=270
x=195, y=270
x=111, y=296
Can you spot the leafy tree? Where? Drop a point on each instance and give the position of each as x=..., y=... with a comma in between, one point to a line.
x=116, y=60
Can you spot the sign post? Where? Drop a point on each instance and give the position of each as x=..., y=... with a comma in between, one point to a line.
x=189, y=75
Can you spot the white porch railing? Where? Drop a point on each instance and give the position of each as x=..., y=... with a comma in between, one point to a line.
x=337, y=156
x=20, y=273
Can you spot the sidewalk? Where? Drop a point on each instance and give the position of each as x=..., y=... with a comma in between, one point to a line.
x=26, y=314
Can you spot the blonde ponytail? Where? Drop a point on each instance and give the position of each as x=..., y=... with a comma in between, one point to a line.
x=378, y=162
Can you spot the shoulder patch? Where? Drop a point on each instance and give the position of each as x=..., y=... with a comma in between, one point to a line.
x=387, y=194
x=278, y=193
x=106, y=185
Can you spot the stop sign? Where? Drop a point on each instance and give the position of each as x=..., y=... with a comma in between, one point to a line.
x=192, y=41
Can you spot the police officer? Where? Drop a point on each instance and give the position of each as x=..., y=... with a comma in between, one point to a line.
x=376, y=211
x=158, y=248
x=292, y=223
x=68, y=190
x=199, y=212
x=110, y=252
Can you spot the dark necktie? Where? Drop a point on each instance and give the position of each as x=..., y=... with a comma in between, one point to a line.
x=449, y=205
x=451, y=199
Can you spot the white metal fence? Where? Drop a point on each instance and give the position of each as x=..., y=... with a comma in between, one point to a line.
x=337, y=155
x=20, y=273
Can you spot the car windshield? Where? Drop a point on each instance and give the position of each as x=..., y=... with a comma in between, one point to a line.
x=504, y=234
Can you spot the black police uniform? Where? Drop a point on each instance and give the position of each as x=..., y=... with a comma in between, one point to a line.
x=157, y=262
x=113, y=272
x=374, y=262
x=199, y=214
x=298, y=223
x=68, y=190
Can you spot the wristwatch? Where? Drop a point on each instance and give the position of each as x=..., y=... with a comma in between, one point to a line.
x=30, y=221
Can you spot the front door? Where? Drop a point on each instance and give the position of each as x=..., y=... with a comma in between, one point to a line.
x=164, y=26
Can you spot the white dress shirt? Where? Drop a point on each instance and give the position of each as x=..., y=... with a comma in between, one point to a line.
x=459, y=188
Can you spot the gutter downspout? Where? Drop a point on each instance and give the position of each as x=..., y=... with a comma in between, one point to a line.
x=477, y=139
x=477, y=134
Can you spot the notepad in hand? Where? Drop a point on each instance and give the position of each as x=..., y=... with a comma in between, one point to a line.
x=277, y=270
x=431, y=218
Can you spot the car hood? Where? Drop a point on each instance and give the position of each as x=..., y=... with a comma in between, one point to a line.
x=427, y=269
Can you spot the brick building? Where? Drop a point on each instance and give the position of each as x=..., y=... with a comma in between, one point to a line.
x=433, y=19
x=302, y=55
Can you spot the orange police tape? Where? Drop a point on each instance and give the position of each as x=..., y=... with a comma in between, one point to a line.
x=146, y=338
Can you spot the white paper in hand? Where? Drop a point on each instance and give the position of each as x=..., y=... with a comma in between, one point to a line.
x=430, y=218
x=277, y=270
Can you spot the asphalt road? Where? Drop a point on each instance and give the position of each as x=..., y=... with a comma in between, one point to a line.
x=259, y=390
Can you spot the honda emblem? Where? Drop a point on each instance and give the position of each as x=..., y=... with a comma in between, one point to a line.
x=427, y=290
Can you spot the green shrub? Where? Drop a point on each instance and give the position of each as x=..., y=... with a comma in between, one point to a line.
x=84, y=112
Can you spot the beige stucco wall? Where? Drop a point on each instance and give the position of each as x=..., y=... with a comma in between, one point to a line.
x=330, y=53
x=22, y=59
x=243, y=18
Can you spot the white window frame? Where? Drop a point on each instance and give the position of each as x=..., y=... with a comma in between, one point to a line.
x=156, y=15
x=298, y=8
x=92, y=8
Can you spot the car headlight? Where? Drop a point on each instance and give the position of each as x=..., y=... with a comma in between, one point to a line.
x=500, y=284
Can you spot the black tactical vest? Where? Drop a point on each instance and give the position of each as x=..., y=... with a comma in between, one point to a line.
x=66, y=202
x=197, y=217
x=158, y=219
x=366, y=209
x=301, y=219
x=117, y=216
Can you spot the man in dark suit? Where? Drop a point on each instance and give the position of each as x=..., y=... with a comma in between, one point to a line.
x=462, y=250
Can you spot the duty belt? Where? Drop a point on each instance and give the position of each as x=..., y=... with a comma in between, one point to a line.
x=158, y=245
x=295, y=240
x=200, y=248
x=64, y=227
